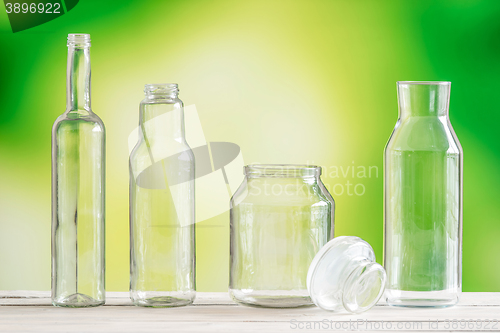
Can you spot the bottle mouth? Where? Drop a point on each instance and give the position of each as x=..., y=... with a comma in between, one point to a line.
x=166, y=89
x=281, y=170
x=79, y=40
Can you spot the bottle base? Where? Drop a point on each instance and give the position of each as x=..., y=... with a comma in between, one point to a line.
x=162, y=299
x=77, y=301
x=270, y=299
x=421, y=299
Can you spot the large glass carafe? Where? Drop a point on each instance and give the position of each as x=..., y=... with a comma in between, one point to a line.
x=423, y=200
x=78, y=161
x=162, y=234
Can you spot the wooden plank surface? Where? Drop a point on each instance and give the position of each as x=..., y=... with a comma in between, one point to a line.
x=29, y=311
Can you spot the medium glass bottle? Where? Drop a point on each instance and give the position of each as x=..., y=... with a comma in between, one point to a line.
x=78, y=174
x=162, y=234
x=281, y=216
x=423, y=200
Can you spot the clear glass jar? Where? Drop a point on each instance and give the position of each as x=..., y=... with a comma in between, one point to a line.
x=423, y=200
x=162, y=234
x=78, y=177
x=281, y=216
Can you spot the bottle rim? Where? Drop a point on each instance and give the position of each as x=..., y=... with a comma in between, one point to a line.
x=282, y=170
x=79, y=40
x=161, y=89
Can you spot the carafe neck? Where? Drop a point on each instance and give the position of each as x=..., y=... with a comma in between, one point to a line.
x=423, y=99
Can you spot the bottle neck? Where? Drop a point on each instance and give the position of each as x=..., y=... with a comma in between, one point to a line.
x=161, y=120
x=421, y=99
x=78, y=78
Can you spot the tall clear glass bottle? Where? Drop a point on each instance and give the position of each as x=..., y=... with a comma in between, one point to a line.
x=423, y=200
x=162, y=234
x=78, y=173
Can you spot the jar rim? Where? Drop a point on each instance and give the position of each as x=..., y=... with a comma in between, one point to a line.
x=282, y=170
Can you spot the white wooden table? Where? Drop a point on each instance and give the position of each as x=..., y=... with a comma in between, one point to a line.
x=29, y=311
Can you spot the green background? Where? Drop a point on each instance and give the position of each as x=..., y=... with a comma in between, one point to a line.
x=289, y=81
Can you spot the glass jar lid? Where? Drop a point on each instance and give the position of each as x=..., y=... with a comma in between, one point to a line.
x=344, y=276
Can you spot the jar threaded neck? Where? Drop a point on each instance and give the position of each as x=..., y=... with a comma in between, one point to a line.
x=282, y=170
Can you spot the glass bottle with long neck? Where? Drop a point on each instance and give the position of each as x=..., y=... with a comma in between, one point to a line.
x=423, y=200
x=162, y=244
x=78, y=173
